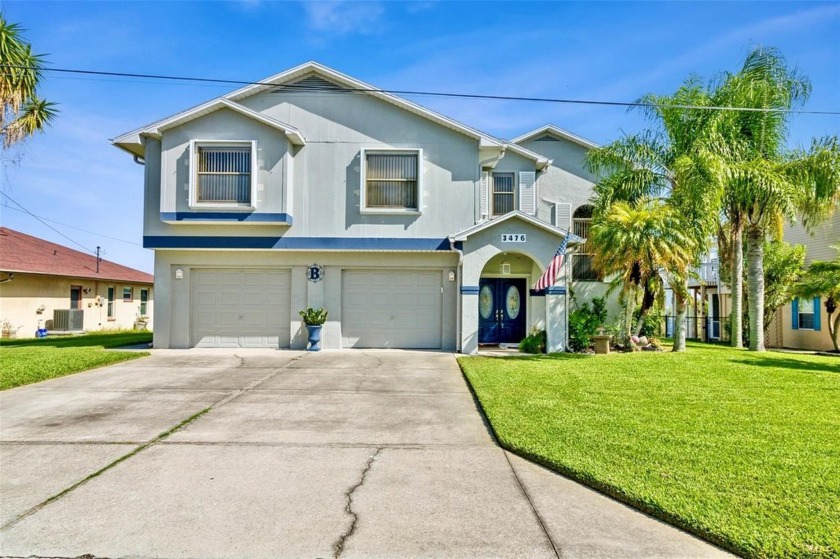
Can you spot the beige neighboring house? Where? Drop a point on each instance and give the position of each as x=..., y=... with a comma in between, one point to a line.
x=803, y=324
x=46, y=285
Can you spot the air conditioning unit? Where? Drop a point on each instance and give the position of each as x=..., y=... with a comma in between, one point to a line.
x=68, y=320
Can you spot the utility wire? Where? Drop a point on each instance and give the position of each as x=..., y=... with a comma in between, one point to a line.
x=47, y=224
x=76, y=228
x=339, y=89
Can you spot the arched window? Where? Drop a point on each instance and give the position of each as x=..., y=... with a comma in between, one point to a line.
x=582, y=268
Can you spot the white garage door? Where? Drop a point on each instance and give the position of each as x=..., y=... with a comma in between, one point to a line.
x=240, y=308
x=391, y=309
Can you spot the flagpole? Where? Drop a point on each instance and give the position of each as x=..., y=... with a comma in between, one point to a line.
x=566, y=305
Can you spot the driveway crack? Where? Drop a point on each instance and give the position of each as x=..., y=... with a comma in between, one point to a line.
x=338, y=546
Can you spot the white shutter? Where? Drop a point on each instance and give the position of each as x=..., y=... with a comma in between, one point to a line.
x=563, y=215
x=527, y=192
x=485, y=180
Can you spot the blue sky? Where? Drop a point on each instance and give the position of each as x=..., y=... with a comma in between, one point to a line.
x=594, y=50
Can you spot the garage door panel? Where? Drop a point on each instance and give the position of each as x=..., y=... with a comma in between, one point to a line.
x=241, y=308
x=391, y=309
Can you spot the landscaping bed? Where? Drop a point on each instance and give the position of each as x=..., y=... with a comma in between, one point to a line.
x=740, y=448
x=25, y=361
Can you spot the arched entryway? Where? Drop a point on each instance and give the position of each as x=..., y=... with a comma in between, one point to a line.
x=507, y=311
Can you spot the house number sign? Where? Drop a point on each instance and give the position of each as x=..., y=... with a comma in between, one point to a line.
x=315, y=273
x=513, y=237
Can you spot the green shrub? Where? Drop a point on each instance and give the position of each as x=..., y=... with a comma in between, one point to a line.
x=584, y=323
x=313, y=317
x=535, y=342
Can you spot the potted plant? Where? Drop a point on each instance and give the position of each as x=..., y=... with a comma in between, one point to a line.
x=314, y=320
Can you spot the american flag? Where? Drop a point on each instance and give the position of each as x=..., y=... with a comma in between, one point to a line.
x=550, y=275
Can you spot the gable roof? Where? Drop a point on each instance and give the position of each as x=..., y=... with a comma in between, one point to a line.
x=132, y=143
x=550, y=129
x=466, y=233
x=309, y=68
x=27, y=254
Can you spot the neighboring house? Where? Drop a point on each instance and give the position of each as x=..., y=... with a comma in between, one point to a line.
x=803, y=324
x=46, y=285
x=313, y=189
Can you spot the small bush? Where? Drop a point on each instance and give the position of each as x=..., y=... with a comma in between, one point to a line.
x=535, y=342
x=584, y=323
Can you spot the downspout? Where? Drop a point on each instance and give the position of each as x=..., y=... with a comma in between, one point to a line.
x=140, y=160
x=458, y=294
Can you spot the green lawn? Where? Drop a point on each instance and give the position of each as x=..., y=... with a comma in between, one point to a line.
x=26, y=361
x=738, y=447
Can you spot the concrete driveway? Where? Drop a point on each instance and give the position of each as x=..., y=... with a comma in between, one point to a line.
x=289, y=454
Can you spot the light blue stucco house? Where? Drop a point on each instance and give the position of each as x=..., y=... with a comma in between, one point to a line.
x=313, y=189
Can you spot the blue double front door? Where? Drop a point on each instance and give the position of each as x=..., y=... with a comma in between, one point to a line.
x=501, y=310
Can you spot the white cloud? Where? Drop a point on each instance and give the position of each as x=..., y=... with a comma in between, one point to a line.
x=341, y=17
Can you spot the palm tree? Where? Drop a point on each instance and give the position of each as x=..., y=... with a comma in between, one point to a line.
x=822, y=279
x=23, y=112
x=636, y=242
x=672, y=160
x=764, y=185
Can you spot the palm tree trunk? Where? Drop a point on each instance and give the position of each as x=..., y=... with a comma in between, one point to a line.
x=834, y=331
x=679, y=327
x=736, y=325
x=628, y=312
x=755, y=285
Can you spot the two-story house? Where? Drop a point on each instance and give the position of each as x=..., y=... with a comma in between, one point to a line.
x=313, y=189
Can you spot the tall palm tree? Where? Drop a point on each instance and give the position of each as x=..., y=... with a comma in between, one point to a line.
x=23, y=112
x=669, y=160
x=764, y=184
x=637, y=241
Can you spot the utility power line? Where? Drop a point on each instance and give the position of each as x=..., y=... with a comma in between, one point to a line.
x=74, y=227
x=315, y=88
x=47, y=224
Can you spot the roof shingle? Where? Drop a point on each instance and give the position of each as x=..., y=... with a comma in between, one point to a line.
x=26, y=254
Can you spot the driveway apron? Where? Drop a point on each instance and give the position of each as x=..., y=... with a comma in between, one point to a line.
x=257, y=453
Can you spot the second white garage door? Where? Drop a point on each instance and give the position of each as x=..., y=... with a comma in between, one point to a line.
x=241, y=308
x=391, y=309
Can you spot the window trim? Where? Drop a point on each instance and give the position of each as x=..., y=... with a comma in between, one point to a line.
x=193, y=194
x=124, y=300
x=144, y=301
x=363, y=182
x=111, y=298
x=514, y=195
x=813, y=306
x=586, y=245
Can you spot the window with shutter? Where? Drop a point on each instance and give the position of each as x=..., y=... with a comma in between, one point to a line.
x=391, y=181
x=503, y=193
x=528, y=192
x=563, y=215
x=583, y=268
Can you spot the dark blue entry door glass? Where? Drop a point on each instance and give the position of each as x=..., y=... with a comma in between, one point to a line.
x=501, y=310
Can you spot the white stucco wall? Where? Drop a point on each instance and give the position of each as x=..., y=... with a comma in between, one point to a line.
x=21, y=299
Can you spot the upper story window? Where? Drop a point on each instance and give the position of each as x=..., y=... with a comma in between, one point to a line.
x=222, y=174
x=504, y=193
x=391, y=180
x=582, y=261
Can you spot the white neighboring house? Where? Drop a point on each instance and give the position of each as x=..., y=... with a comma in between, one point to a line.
x=47, y=285
x=412, y=230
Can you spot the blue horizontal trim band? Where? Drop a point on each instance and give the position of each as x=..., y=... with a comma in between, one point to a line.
x=294, y=243
x=555, y=291
x=469, y=289
x=227, y=216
